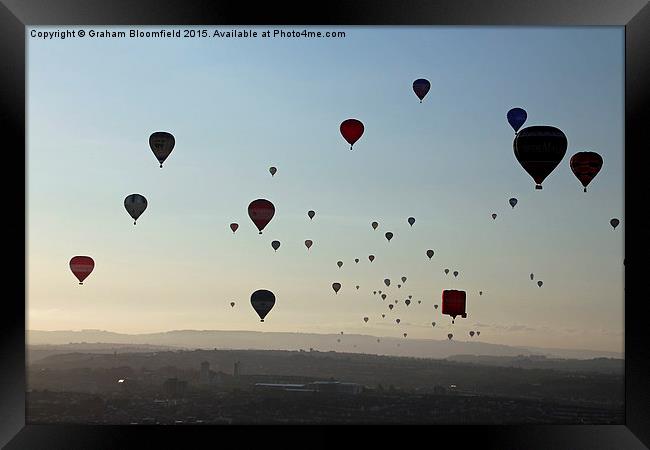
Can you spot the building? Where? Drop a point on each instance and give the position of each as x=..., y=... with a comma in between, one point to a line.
x=336, y=387
x=209, y=377
x=174, y=387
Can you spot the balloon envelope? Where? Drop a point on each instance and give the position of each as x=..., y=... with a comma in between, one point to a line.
x=411, y=220
x=513, y=202
x=383, y=296
x=397, y=320
x=403, y=279
x=408, y=302
x=371, y=258
x=453, y=303
x=275, y=245
x=234, y=226
x=356, y=260
x=340, y=263
x=232, y=304
x=365, y=319
x=433, y=324
x=449, y=336
x=351, y=129
x=387, y=282
x=430, y=253
x=374, y=225
x=471, y=333
x=81, y=267
x=162, y=144
x=540, y=283
x=389, y=236
x=308, y=243
x=273, y=170
x=391, y=306
x=516, y=118
x=421, y=87
x=585, y=166
x=539, y=149
x=135, y=205
x=336, y=287
x=494, y=216
x=262, y=301
x=614, y=223
x=446, y=271
x=455, y=273
x=311, y=214
x=261, y=212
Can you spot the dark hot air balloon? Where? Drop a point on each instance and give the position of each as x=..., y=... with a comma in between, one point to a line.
x=162, y=144
x=391, y=306
x=81, y=267
x=539, y=149
x=405, y=334
x=311, y=214
x=411, y=220
x=234, y=226
x=336, y=287
x=480, y=292
x=407, y=301
x=371, y=258
x=262, y=301
x=383, y=296
x=435, y=306
x=516, y=118
x=433, y=324
x=232, y=304
x=455, y=273
x=365, y=319
x=585, y=166
x=261, y=212
x=494, y=216
x=430, y=253
x=351, y=129
x=403, y=279
x=357, y=287
x=356, y=260
x=397, y=320
x=389, y=236
x=374, y=225
x=387, y=282
x=449, y=336
x=532, y=276
x=446, y=271
x=308, y=243
x=421, y=88
x=275, y=245
x=273, y=170
x=513, y=202
x=614, y=223
x=399, y=286
x=340, y=264
x=383, y=316
x=135, y=205
x=471, y=333
x=540, y=283
x=478, y=333
x=453, y=303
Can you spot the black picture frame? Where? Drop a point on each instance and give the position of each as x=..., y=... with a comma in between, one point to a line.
x=15, y=15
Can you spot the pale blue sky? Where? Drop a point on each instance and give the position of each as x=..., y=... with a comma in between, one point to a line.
x=238, y=106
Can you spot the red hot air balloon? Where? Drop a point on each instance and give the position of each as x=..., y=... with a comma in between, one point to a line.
x=234, y=226
x=81, y=267
x=453, y=303
x=351, y=129
x=261, y=212
x=336, y=287
x=585, y=166
x=539, y=149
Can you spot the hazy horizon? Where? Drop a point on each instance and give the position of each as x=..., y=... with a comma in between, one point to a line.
x=238, y=106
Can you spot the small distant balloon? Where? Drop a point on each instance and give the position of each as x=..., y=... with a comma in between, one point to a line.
x=446, y=271
x=365, y=319
x=516, y=118
x=435, y=306
x=371, y=258
x=403, y=279
x=614, y=223
x=532, y=276
x=494, y=216
x=407, y=301
x=478, y=333
x=513, y=202
x=405, y=334
x=411, y=220
x=340, y=264
x=273, y=170
x=232, y=304
x=410, y=296
x=433, y=324
x=421, y=87
x=356, y=260
x=455, y=273
x=357, y=287
x=480, y=292
x=540, y=283
x=389, y=236
x=399, y=286
x=383, y=316
x=336, y=287
x=383, y=296
x=234, y=226
x=419, y=302
x=275, y=245
x=430, y=253
x=387, y=282
x=374, y=225
x=397, y=320
x=311, y=214
x=309, y=243
x=391, y=306
x=449, y=336
x=471, y=333
x=374, y=292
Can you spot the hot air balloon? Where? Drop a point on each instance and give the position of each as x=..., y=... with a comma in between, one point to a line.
x=480, y=292
x=532, y=276
x=435, y=306
x=374, y=225
x=365, y=319
x=585, y=166
x=261, y=212
x=403, y=279
x=234, y=226
x=433, y=324
x=387, y=282
x=391, y=306
x=405, y=334
x=232, y=304
x=471, y=333
x=275, y=245
x=340, y=264
x=421, y=87
x=371, y=258
x=338, y=340
x=419, y=302
x=539, y=149
x=341, y=332
x=478, y=333
x=273, y=170
x=308, y=243
x=135, y=205
x=378, y=340
x=410, y=296
x=389, y=236
x=262, y=301
x=453, y=303
x=81, y=267
x=407, y=301
x=513, y=202
x=399, y=286
x=540, y=283
x=351, y=129
x=374, y=292
x=336, y=287
x=396, y=301
x=383, y=316
x=411, y=220
x=356, y=260
x=379, y=292
x=397, y=320
x=162, y=144
x=494, y=216
x=614, y=222
x=430, y=253
x=311, y=214
x=516, y=118
x=446, y=271
x=449, y=336
x=357, y=287
x=455, y=273
x=383, y=296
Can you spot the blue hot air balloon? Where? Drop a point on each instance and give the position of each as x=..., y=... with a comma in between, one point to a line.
x=516, y=118
x=421, y=88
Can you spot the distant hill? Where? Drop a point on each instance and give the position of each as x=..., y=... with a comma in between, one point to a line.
x=40, y=351
x=356, y=343
x=600, y=365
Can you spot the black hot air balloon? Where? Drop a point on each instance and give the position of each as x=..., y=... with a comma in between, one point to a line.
x=273, y=170
x=411, y=220
x=516, y=118
x=336, y=287
x=430, y=253
x=614, y=223
x=162, y=144
x=262, y=301
x=585, y=166
x=513, y=202
x=371, y=258
x=421, y=87
x=374, y=225
x=389, y=236
x=135, y=205
x=311, y=214
x=275, y=245
x=539, y=149
x=340, y=264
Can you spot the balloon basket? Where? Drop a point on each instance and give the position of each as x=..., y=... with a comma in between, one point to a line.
x=538, y=186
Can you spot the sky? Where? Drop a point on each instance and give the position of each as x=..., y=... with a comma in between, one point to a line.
x=237, y=106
